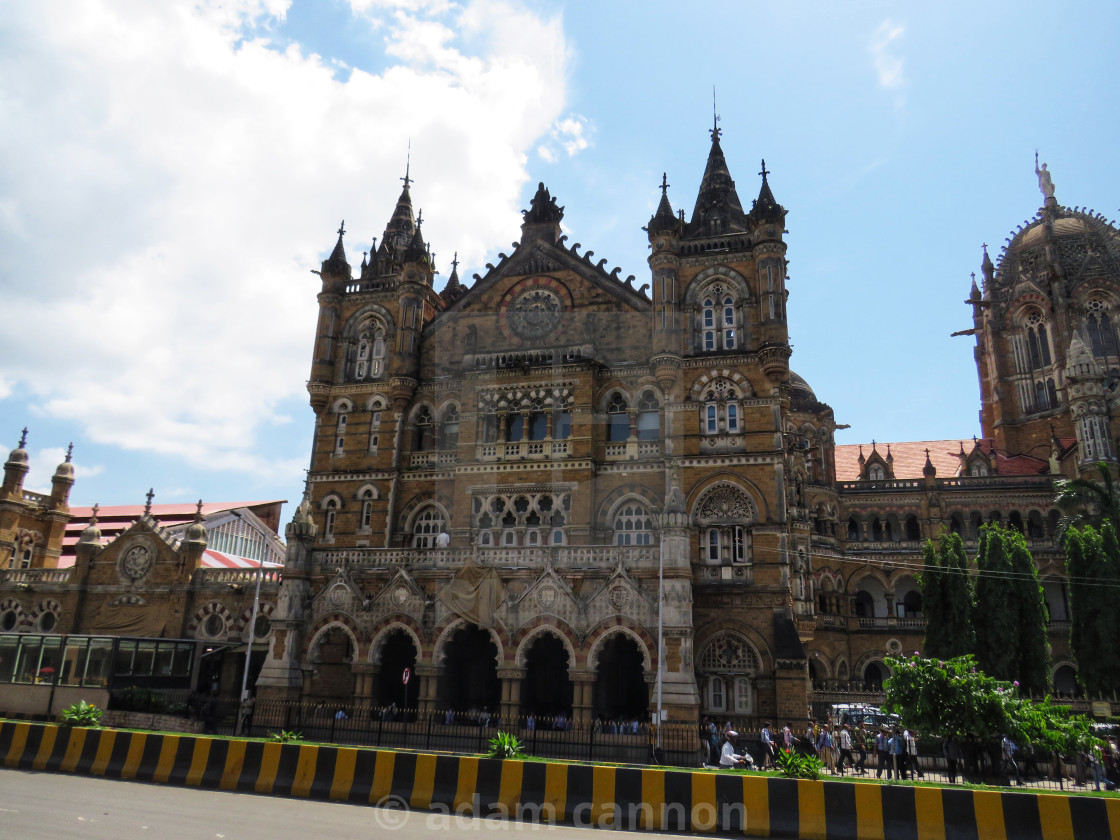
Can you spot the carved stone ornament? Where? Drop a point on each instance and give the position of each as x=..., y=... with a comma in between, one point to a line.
x=137, y=560
x=339, y=595
x=535, y=313
x=620, y=596
x=546, y=596
x=400, y=595
x=726, y=504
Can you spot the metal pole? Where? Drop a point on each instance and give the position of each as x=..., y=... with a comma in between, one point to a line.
x=660, y=628
x=252, y=635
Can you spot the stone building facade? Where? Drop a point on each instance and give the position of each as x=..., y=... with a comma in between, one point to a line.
x=505, y=473
x=519, y=484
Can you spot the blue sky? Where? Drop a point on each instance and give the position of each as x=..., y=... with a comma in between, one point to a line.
x=171, y=172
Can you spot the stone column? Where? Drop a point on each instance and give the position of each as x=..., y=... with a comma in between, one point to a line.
x=364, y=673
x=429, y=683
x=511, y=694
x=583, y=687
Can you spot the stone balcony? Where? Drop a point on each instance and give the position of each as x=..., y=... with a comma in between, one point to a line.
x=32, y=576
x=586, y=557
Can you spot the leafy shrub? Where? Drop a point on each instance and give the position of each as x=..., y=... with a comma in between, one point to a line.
x=794, y=765
x=284, y=736
x=505, y=745
x=136, y=698
x=81, y=714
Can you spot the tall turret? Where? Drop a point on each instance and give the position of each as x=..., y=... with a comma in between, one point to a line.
x=62, y=482
x=15, y=470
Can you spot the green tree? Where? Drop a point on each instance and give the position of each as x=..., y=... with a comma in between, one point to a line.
x=954, y=697
x=995, y=613
x=1032, y=668
x=1083, y=502
x=1093, y=571
x=947, y=599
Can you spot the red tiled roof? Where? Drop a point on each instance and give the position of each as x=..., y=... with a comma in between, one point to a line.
x=910, y=458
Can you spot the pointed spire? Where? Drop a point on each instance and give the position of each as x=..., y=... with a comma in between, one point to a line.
x=398, y=233
x=664, y=219
x=929, y=471
x=454, y=289
x=70, y=452
x=148, y=505
x=417, y=250
x=336, y=263
x=718, y=209
x=766, y=207
x=23, y=439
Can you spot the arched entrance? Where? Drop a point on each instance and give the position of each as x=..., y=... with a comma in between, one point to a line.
x=470, y=671
x=873, y=676
x=331, y=654
x=1065, y=681
x=621, y=692
x=397, y=653
x=547, y=689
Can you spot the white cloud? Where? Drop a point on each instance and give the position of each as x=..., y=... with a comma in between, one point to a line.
x=888, y=65
x=44, y=464
x=170, y=176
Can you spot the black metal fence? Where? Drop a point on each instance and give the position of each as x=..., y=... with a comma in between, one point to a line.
x=622, y=741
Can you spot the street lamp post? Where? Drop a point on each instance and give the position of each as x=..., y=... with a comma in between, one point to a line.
x=252, y=632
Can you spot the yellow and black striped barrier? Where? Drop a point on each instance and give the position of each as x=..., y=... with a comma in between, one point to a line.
x=606, y=797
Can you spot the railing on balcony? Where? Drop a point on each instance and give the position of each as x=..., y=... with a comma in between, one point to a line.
x=910, y=623
x=568, y=557
x=239, y=577
x=39, y=499
x=434, y=459
x=35, y=575
x=531, y=449
x=872, y=623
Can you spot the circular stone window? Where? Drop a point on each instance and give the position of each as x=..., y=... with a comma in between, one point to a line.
x=214, y=626
x=9, y=620
x=535, y=313
x=47, y=622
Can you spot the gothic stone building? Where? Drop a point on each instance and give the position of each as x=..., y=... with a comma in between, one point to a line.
x=505, y=473
x=504, y=477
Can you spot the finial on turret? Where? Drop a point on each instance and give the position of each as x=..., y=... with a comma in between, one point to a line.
x=665, y=183
x=198, y=512
x=407, y=164
x=149, y=495
x=70, y=452
x=764, y=171
x=23, y=438
x=342, y=229
x=93, y=513
x=715, y=132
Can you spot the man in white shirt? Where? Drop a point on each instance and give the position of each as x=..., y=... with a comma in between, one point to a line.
x=727, y=756
x=845, y=749
x=767, y=746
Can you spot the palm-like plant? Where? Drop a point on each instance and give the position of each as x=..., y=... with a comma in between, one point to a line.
x=1083, y=501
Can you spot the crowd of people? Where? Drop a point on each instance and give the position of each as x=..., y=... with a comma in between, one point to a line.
x=892, y=751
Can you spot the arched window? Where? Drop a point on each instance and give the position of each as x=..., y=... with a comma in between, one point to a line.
x=449, y=434
x=489, y=427
x=366, y=499
x=538, y=422
x=719, y=319
x=725, y=515
x=1102, y=336
x=633, y=525
x=425, y=430
x=25, y=562
x=374, y=426
x=429, y=524
x=729, y=662
x=720, y=412
x=913, y=530
x=876, y=473
x=369, y=362
x=1038, y=341
x=331, y=508
x=561, y=424
x=649, y=417
x=340, y=436
x=619, y=419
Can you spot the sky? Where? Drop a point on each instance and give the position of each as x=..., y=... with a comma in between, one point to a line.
x=170, y=174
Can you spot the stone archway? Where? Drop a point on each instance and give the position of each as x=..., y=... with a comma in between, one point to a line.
x=397, y=652
x=621, y=692
x=469, y=676
x=546, y=690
